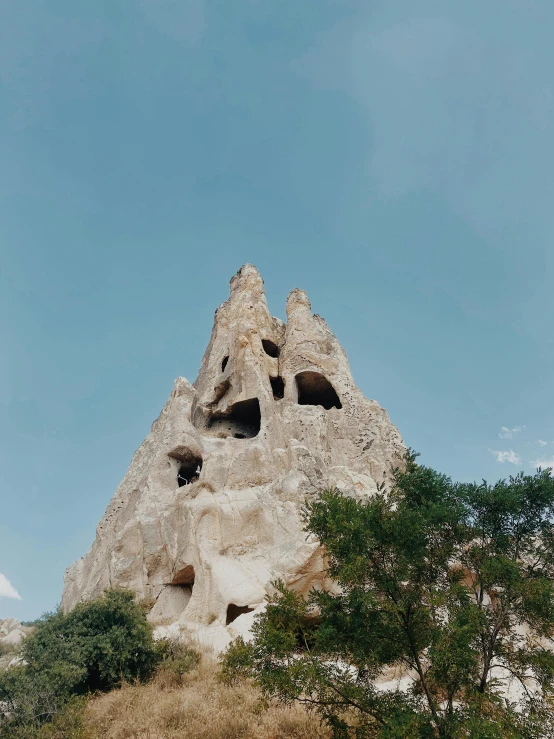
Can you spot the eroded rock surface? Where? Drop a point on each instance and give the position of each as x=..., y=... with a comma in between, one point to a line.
x=12, y=633
x=209, y=511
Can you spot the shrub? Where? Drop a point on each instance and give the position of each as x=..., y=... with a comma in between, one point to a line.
x=98, y=645
x=178, y=659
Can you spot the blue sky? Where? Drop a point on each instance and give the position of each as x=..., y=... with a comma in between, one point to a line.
x=394, y=159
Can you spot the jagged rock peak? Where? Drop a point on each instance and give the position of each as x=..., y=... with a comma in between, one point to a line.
x=209, y=511
x=297, y=301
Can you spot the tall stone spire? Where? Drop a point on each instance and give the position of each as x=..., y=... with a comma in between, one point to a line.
x=209, y=511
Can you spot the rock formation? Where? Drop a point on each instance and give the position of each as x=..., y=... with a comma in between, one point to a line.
x=12, y=633
x=209, y=511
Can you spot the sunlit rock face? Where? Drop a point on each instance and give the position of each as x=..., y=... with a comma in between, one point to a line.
x=209, y=511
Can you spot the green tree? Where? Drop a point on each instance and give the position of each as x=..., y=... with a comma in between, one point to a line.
x=94, y=647
x=450, y=585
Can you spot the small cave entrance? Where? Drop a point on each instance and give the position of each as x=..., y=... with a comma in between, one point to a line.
x=271, y=349
x=278, y=387
x=315, y=389
x=174, y=597
x=189, y=470
x=224, y=363
x=184, y=576
x=233, y=612
x=189, y=464
x=242, y=421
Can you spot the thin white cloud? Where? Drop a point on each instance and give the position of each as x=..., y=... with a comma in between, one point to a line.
x=7, y=590
x=543, y=463
x=509, y=456
x=540, y=442
x=506, y=433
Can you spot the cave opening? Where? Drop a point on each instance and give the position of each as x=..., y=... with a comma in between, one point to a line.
x=179, y=590
x=234, y=611
x=189, y=471
x=184, y=576
x=173, y=597
x=278, y=387
x=242, y=421
x=315, y=389
x=224, y=363
x=270, y=348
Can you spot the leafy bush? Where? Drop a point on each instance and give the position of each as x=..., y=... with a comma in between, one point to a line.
x=452, y=585
x=178, y=659
x=95, y=647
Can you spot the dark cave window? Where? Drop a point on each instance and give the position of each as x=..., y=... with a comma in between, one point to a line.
x=270, y=348
x=189, y=471
x=278, y=387
x=243, y=418
x=233, y=612
x=224, y=363
x=315, y=389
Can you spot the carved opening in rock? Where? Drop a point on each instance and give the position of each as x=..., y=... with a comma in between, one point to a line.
x=184, y=576
x=242, y=418
x=170, y=604
x=240, y=436
x=189, y=471
x=270, y=348
x=178, y=592
x=233, y=612
x=315, y=389
x=224, y=363
x=278, y=387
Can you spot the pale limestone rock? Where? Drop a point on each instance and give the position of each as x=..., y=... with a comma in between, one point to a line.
x=209, y=511
x=12, y=633
x=8, y=625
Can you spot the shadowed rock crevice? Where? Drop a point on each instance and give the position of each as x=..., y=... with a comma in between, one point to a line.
x=221, y=391
x=233, y=612
x=270, y=348
x=224, y=363
x=315, y=389
x=184, y=576
x=278, y=387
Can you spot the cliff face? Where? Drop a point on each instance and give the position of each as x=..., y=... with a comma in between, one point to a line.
x=209, y=511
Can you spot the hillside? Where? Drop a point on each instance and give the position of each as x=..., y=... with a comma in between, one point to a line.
x=196, y=706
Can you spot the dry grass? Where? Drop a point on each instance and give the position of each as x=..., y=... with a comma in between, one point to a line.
x=195, y=706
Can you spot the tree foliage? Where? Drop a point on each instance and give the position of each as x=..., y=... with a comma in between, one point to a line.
x=94, y=647
x=449, y=587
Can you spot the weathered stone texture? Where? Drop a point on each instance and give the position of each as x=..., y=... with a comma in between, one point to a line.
x=209, y=511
